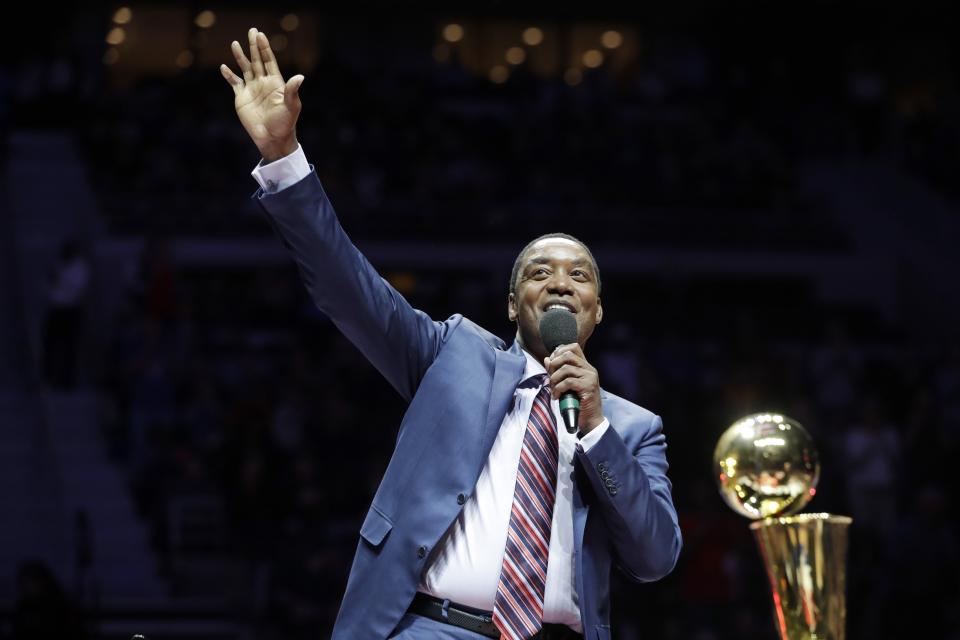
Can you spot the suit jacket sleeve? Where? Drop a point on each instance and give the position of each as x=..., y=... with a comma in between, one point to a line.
x=633, y=496
x=400, y=341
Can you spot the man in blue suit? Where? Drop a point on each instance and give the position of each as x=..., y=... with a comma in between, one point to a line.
x=490, y=521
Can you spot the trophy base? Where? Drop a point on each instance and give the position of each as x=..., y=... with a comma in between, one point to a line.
x=805, y=557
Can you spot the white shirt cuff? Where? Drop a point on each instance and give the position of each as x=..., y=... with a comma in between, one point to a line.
x=282, y=173
x=592, y=438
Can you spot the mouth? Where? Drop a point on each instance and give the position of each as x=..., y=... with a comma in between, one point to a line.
x=556, y=304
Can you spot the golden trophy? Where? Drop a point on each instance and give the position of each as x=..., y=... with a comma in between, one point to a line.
x=767, y=469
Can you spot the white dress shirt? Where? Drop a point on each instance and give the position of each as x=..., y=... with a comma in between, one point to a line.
x=465, y=565
x=282, y=173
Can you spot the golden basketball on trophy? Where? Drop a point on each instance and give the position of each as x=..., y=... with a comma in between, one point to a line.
x=767, y=468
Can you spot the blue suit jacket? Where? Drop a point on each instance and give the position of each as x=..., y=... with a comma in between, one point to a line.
x=459, y=381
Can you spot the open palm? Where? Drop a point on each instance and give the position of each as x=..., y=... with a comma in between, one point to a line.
x=267, y=105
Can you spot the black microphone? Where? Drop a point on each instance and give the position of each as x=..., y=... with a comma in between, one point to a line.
x=557, y=327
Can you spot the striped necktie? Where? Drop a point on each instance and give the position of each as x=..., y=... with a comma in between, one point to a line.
x=518, y=607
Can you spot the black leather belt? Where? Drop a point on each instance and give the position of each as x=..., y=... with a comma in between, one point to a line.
x=477, y=620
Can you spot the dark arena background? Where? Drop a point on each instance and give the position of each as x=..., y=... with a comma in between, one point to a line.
x=188, y=447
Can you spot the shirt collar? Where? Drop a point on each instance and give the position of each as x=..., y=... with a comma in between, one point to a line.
x=532, y=370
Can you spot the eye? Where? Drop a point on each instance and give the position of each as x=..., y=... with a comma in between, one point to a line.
x=579, y=273
x=540, y=271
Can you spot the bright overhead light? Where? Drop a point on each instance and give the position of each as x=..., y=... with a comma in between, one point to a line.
x=205, y=19
x=532, y=36
x=516, y=55
x=499, y=74
x=278, y=42
x=592, y=58
x=184, y=59
x=611, y=39
x=289, y=22
x=123, y=15
x=116, y=36
x=453, y=32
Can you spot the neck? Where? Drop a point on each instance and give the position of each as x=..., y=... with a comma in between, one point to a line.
x=523, y=345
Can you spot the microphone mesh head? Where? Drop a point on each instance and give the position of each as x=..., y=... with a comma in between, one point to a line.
x=557, y=326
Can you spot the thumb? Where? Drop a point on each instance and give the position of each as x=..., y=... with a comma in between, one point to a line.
x=291, y=92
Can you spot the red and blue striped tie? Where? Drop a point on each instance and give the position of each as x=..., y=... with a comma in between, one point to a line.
x=518, y=607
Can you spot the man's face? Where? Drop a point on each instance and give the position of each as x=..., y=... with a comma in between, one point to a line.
x=554, y=271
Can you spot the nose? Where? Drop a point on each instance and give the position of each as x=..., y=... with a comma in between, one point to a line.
x=560, y=283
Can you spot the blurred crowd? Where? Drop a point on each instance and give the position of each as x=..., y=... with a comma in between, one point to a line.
x=695, y=143
x=682, y=150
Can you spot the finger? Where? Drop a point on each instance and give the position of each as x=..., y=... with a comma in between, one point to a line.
x=255, y=61
x=242, y=61
x=266, y=54
x=231, y=78
x=569, y=357
x=572, y=347
x=566, y=371
x=576, y=385
x=551, y=364
x=291, y=92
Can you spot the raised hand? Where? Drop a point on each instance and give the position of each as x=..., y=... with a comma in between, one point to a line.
x=268, y=107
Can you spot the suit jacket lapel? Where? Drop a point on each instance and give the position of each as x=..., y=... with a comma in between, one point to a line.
x=508, y=369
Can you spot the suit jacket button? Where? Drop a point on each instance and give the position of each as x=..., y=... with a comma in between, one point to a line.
x=461, y=499
x=601, y=467
x=604, y=474
x=422, y=551
x=613, y=491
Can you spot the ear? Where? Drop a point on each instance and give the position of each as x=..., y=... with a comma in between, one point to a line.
x=512, y=307
x=599, y=314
